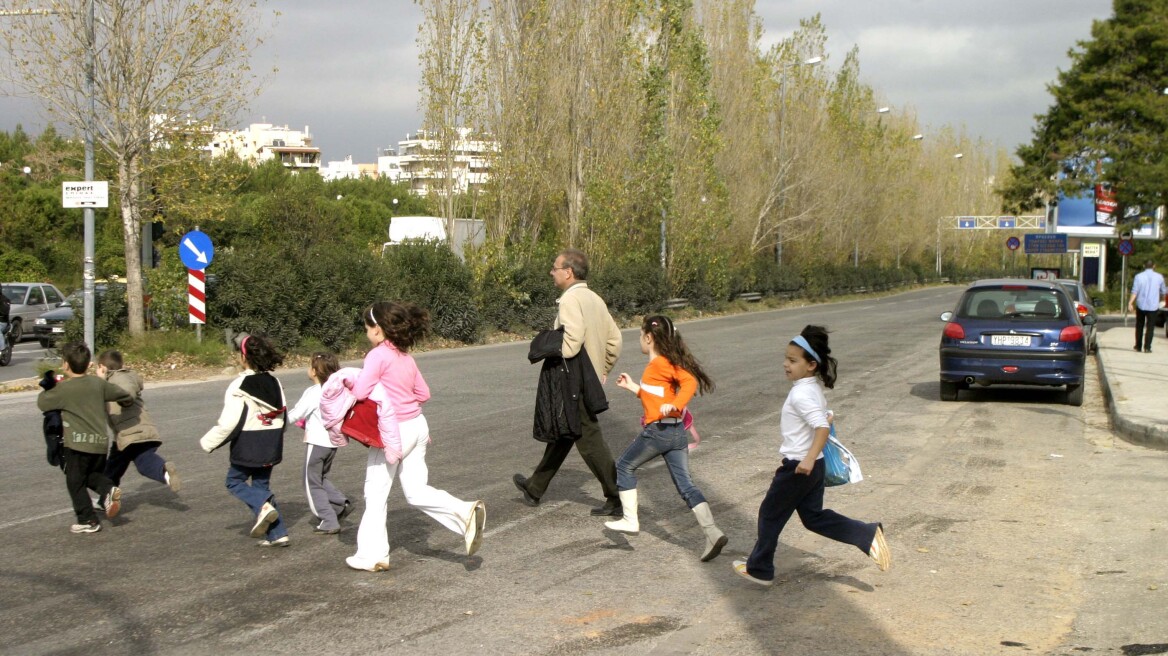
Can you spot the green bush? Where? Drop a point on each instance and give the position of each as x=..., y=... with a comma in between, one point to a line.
x=631, y=287
x=109, y=323
x=515, y=294
x=21, y=267
x=429, y=274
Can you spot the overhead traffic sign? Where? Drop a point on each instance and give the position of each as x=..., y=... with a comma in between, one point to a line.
x=966, y=222
x=196, y=250
x=85, y=194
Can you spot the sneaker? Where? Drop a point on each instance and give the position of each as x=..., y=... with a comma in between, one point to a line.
x=113, y=502
x=171, y=476
x=474, y=527
x=377, y=566
x=85, y=528
x=740, y=569
x=521, y=483
x=264, y=519
x=278, y=542
x=346, y=510
x=326, y=531
x=879, y=550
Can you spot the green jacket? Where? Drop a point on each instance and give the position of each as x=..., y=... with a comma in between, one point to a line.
x=81, y=401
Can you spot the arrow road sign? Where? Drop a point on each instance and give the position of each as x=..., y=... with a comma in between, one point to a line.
x=196, y=250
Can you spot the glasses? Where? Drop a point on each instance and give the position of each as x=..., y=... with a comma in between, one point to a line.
x=563, y=268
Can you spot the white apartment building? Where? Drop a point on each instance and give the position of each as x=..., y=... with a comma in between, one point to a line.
x=418, y=161
x=261, y=142
x=346, y=169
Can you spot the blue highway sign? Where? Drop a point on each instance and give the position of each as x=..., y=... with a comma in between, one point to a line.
x=1046, y=244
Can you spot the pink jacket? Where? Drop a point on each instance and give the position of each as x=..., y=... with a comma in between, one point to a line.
x=336, y=398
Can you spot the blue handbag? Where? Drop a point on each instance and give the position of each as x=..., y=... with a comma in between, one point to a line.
x=838, y=471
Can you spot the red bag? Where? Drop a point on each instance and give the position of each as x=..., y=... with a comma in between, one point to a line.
x=360, y=423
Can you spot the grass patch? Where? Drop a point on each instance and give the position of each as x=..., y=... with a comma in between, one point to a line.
x=160, y=346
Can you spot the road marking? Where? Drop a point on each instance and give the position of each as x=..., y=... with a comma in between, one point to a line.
x=541, y=511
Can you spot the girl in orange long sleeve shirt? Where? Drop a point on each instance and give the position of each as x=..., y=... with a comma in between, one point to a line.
x=667, y=384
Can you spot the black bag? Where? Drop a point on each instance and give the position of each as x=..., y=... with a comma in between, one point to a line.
x=53, y=427
x=5, y=308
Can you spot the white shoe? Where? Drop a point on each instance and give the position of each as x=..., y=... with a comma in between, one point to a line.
x=113, y=502
x=879, y=551
x=474, y=527
x=266, y=517
x=377, y=566
x=278, y=542
x=628, y=523
x=740, y=569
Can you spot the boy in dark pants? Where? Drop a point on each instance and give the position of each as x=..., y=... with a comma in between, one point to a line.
x=81, y=400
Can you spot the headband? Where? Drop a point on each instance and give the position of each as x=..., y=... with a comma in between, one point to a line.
x=371, y=317
x=668, y=325
x=243, y=345
x=801, y=342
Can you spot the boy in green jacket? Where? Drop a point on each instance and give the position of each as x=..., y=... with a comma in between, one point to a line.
x=81, y=400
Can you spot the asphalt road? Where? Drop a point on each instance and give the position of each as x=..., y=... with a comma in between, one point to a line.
x=1017, y=524
x=25, y=357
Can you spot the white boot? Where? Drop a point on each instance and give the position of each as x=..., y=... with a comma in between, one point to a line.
x=715, y=539
x=628, y=523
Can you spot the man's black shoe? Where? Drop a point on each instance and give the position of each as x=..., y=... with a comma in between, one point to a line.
x=521, y=483
x=610, y=507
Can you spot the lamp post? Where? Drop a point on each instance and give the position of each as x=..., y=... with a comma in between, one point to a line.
x=779, y=156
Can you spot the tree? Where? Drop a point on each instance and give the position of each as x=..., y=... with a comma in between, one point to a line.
x=161, y=68
x=1110, y=105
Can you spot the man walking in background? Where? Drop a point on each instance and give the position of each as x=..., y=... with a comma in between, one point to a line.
x=587, y=323
x=1147, y=291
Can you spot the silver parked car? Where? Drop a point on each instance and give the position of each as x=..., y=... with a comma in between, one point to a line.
x=1084, y=306
x=29, y=300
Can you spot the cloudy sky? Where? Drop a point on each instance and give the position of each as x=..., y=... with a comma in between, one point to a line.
x=348, y=69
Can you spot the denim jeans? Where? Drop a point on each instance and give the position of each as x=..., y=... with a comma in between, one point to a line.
x=668, y=441
x=256, y=494
x=145, y=457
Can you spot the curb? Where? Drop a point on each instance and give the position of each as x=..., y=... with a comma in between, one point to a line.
x=1144, y=434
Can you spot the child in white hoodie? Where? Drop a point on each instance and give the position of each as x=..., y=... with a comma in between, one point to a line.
x=326, y=502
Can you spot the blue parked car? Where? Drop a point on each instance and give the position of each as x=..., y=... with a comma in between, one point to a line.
x=1014, y=332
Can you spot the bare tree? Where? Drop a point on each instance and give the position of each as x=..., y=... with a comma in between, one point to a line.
x=160, y=66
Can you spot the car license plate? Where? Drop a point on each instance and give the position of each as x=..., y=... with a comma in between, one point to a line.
x=58, y=329
x=1010, y=340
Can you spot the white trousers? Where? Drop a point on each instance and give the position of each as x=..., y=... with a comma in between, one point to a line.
x=372, y=535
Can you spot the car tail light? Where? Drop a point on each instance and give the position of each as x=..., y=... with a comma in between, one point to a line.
x=954, y=331
x=1081, y=309
x=1010, y=369
x=1071, y=334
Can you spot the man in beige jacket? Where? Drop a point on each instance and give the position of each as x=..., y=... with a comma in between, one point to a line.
x=587, y=323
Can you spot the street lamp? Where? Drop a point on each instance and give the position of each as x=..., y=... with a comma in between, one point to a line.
x=779, y=156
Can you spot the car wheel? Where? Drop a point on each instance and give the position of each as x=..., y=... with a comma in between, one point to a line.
x=16, y=332
x=948, y=391
x=1075, y=395
x=45, y=343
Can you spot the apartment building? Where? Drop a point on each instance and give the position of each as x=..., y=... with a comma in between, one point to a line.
x=419, y=161
x=262, y=142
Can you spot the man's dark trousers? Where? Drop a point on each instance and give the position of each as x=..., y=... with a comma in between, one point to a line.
x=1145, y=328
x=592, y=449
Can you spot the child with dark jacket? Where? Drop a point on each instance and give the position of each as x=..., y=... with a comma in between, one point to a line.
x=82, y=401
x=252, y=423
x=137, y=438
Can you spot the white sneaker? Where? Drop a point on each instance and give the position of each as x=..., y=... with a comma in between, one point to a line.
x=740, y=569
x=278, y=542
x=85, y=528
x=267, y=515
x=366, y=566
x=113, y=502
x=879, y=551
x=474, y=527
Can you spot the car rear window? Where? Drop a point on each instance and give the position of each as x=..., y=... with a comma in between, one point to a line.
x=15, y=293
x=1072, y=290
x=1014, y=302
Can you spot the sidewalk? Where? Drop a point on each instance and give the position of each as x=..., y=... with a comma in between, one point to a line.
x=1135, y=384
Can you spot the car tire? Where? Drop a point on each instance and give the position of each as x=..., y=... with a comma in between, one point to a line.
x=948, y=391
x=1075, y=395
x=45, y=343
x=16, y=331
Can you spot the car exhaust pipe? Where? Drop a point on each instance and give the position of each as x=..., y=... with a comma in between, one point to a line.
x=969, y=380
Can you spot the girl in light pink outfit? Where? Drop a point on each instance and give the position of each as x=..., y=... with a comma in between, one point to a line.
x=393, y=328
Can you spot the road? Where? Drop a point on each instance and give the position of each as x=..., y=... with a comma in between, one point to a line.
x=25, y=357
x=1017, y=524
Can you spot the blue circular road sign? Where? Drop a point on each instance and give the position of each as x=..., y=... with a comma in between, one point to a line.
x=1013, y=243
x=1126, y=247
x=196, y=250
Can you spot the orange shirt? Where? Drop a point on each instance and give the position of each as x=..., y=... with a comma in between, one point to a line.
x=662, y=383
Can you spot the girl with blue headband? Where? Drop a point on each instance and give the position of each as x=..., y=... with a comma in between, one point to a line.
x=798, y=482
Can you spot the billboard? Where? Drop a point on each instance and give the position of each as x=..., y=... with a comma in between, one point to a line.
x=1095, y=213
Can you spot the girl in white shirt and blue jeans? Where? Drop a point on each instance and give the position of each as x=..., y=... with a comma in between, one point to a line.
x=798, y=482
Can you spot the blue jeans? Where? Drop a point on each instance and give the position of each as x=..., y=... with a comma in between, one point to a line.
x=145, y=457
x=256, y=494
x=668, y=441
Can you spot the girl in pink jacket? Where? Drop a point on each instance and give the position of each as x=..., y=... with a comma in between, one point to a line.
x=393, y=328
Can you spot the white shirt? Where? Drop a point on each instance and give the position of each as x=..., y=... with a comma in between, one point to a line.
x=804, y=411
x=308, y=409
